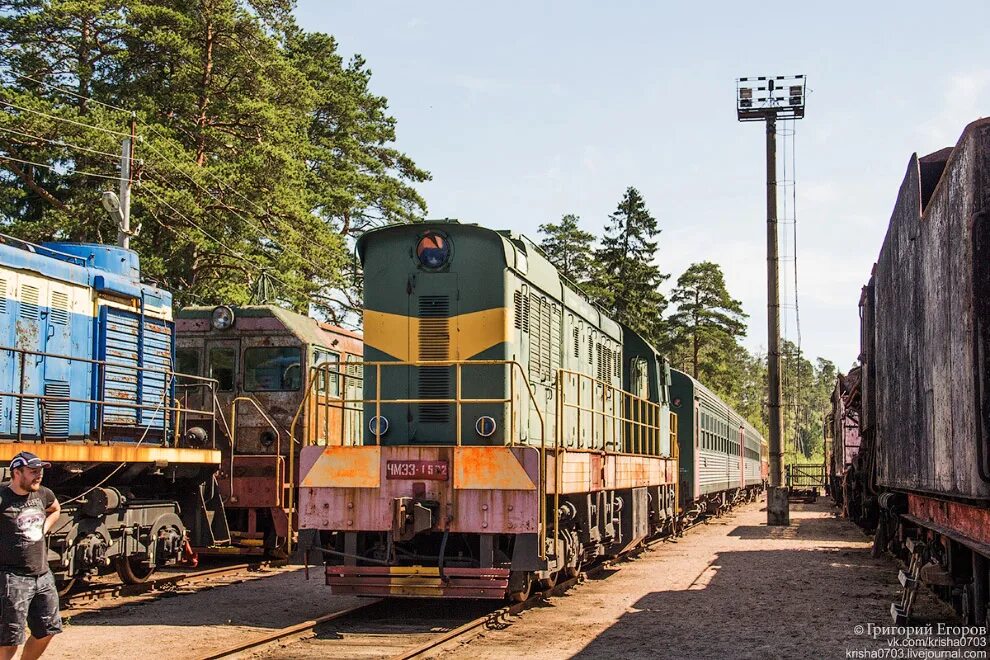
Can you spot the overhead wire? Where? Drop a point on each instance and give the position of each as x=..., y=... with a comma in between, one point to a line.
x=55, y=169
x=110, y=131
x=61, y=143
x=71, y=93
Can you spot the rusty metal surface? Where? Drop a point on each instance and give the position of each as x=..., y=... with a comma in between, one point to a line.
x=971, y=522
x=117, y=453
x=472, y=508
x=924, y=302
x=255, y=481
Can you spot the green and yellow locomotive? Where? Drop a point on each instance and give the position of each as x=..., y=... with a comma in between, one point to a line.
x=513, y=431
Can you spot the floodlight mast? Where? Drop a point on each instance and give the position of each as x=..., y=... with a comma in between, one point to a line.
x=767, y=99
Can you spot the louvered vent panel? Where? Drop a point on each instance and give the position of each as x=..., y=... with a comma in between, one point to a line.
x=29, y=302
x=577, y=343
x=60, y=307
x=26, y=420
x=525, y=314
x=56, y=420
x=517, y=305
x=3, y=296
x=434, y=344
x=555, y=347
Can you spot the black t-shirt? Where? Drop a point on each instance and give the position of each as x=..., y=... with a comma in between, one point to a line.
x=22, y=531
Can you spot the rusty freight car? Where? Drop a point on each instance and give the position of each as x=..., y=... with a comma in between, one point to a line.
x=925, y=391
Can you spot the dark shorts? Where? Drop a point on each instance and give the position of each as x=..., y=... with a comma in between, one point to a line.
x=30, y=600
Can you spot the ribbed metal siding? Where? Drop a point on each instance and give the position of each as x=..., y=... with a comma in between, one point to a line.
x=128, y=346
x=434, y=344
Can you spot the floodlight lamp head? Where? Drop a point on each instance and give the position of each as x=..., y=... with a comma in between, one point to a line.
x=111, y=204
x=110, y=201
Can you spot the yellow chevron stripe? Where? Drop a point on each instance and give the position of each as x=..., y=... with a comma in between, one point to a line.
x=470, y=334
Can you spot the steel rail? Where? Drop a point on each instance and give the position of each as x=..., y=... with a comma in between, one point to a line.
x=119, y=590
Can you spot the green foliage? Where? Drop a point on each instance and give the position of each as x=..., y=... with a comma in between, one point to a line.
x=569, y=249
x=626, y=279
x=261, y=151
x=707, y=323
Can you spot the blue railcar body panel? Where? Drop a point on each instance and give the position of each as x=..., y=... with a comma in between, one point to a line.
x=72, y=303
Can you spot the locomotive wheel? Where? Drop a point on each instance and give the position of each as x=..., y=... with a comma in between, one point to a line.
x=63, y=587
x=549, y=582
x=132, y=570
x=522, y=594
x=575, y=570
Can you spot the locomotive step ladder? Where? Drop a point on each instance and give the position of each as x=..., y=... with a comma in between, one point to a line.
x=910, y=580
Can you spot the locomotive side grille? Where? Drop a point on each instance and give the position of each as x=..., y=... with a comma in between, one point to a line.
x=3, y=296
x=29, y=302
x=56, y=413
x=60, y=307
x=434, y=344
x=577, y=343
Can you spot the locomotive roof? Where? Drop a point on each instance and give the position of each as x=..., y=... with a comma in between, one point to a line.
x=306, y=328
x=539, y=272
x=88, y=271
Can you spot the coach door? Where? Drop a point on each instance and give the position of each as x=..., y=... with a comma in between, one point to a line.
x=432, y=313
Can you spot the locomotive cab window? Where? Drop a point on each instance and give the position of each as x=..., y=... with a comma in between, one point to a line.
x=187, y=362
x=223, y=366
x=327, y=380
x=272, y=369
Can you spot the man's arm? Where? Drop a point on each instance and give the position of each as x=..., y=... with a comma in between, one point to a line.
x=53, y=511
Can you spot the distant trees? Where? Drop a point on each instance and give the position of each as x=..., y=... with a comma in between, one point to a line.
x=569, y=248
x=708, y=322
x=261, y=149
x=627, y=279
x=703, y=332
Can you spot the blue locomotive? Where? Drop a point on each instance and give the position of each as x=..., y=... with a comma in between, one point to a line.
x=87, y=384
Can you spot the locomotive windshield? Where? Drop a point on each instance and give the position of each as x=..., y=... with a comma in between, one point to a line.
x=272, y=369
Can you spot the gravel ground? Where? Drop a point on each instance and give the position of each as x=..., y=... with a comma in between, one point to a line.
x=190, y=625
x=733, y=588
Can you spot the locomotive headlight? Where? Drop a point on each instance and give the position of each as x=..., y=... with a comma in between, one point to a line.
x=433, y=250
x=222, y=317
x=378, y=425
x=485, y=426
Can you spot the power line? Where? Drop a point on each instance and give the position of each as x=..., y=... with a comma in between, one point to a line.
x=233, y=251
x=63, y=119
x=75, y=94
x=54, y=169
x=257, y=227
x=115, y=157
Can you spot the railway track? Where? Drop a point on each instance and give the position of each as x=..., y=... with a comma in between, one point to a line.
x=96, y=596
x=401, y=629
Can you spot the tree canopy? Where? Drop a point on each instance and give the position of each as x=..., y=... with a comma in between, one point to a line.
x=260, y=150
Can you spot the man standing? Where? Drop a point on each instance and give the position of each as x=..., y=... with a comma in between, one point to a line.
x=27, y=588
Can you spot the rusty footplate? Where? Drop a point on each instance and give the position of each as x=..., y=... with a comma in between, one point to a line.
x=418, y=581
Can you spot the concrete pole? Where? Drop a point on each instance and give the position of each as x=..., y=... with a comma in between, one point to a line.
x=126, y=174
x=778, y=510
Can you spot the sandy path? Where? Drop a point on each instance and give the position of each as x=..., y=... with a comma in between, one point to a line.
x=189, y=625
x=711, y=594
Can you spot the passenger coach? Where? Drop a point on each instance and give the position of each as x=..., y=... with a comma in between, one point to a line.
x=513, y=431
x=723, y=459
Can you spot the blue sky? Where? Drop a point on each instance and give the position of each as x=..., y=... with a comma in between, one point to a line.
x=526, y=111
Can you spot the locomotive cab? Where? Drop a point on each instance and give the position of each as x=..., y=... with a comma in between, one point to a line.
x=260, y=357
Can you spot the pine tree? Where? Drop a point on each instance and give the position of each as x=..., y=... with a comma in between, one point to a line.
x=569, y=248
x=260, y=150
x=626, y=279
x=708, y=321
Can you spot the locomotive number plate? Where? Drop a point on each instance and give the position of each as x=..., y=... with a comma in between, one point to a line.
x=428, y=470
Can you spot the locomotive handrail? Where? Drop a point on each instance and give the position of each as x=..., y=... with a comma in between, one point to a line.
x=169, y=378
x=457, y=401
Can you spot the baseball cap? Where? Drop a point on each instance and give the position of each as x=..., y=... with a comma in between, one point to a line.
x=27, y=459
